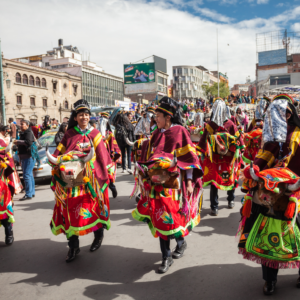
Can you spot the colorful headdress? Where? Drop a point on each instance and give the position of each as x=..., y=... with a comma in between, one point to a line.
x=267, y=99
x=81, y=105
x=168, y=106
x=151, y=109
x=104, y=114
x=217, y=98
x=284, y=96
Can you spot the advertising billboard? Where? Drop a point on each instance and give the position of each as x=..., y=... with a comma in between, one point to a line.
x=122, y=104
x=139, y=73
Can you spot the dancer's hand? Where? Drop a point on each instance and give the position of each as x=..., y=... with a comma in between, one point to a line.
x=189, y=186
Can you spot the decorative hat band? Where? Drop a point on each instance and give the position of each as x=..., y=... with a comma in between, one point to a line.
x=284, y=96
x=165, y=110
x=267, y=98
x=104, y=114
x=81, y=107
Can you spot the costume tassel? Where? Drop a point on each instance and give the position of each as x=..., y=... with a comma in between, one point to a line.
x=247, y=208
x=290, y=210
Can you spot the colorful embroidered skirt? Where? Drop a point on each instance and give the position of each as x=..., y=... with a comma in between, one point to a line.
x=77, y=212
x=222, y=171
x=6, y=210
x=269, y=241
x=166, y=214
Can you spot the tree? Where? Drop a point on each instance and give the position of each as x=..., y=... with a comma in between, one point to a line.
x=213, y=90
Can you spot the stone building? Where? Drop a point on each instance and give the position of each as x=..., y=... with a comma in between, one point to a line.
x=33, y=92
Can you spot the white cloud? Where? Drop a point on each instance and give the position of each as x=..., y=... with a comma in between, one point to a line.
x=262, y=1
x=295, y=27
x=280, y=5
x=115, y=32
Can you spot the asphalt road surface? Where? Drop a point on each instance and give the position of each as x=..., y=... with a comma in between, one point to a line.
x=125, y=266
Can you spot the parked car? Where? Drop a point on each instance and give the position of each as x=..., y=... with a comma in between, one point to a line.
x=44, y=170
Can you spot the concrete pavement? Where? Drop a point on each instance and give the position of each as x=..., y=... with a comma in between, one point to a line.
x=125, y=265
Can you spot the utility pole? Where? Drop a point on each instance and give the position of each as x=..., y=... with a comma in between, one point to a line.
x=2, y=89
x=218, y=64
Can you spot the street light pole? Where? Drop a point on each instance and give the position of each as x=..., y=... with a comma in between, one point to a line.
x=2, y=89
x=218, y=64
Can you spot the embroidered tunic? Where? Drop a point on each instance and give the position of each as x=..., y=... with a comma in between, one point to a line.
x=171, y=212
x=84, y=208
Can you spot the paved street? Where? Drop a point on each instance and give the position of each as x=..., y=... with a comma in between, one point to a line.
x=125, y=266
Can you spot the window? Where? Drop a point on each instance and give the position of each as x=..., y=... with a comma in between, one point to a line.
x=37, y=81
x=47, y=64
x=165, y=80
x=19, y=100
x=54, y=102
x=25, y=79
x=44, y=84
x=179, y=71
x=185, y=71
x=160, y=80
x=174, y=71
x=66, y=105
x=72, y=55
x=191, y=71
x=277, y=80
x=31, y=80
x=18, y=78
x=75, y=89
x=32, y=101
x=33, y=121
x=45, y=103
x=54, y=85
x=65, y=85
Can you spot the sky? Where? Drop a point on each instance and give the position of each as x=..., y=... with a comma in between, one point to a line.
x=117, y=32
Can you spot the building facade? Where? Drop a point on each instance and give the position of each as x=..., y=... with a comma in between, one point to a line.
x=240, y=89
x=98, y=87
x=188, y=81
x=33, y=92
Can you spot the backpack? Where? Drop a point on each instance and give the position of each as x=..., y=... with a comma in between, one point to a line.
x=121, y=135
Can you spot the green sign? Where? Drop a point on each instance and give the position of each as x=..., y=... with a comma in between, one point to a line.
x=139, y=73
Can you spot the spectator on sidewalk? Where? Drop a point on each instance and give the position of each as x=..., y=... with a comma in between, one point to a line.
x=61, y=132
x=13, y=128
x=124, y=129
x=26, y=160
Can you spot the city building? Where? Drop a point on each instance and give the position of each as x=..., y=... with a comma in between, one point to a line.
x=188, y=81
x=222, y=77
x=252, y=89
x=98, y=87
x=278, y=62
x=32, y=92
x=240, y=89
x=154, y=84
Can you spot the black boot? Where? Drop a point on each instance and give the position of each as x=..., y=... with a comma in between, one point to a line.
x=269, y=287
x=165, y=265
x=99, y=234
x=178, y=253
x=298, y=283
x=72, y=254
x=9, y=239
x=9, y=235
x=113, y=190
